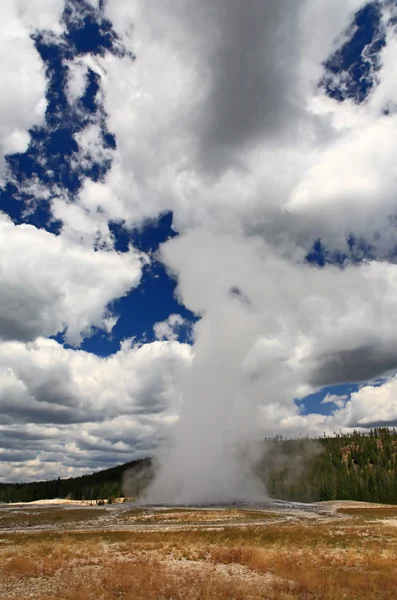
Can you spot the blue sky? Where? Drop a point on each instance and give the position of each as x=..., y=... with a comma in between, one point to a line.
x=91, y=33
x=154, y=300
x=158, y=170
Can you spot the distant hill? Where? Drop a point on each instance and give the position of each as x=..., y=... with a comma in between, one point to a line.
x=342, y=467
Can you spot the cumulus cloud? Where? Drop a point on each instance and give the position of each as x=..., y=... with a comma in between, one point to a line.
x=338, y=401
x=40, y=15
x=61, y=401
x=49, y=285
x=91, y=148
x=23, y=102
x=222, y=118
x=77, y=80
x=371, y=406
x=170, y=328
x=172, y=129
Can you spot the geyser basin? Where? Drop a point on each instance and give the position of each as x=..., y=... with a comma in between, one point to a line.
x=269, y=504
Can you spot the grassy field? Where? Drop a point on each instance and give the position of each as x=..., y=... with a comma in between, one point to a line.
x=187, y=516
x=41, y=517
x=349, y=556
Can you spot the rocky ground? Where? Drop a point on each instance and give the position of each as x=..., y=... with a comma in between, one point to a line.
x=276, y=551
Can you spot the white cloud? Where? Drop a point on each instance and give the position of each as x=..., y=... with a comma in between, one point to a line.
x=169, y=113
x=169, y=328
x=40, y=14
x=371, y=406
x=220, y=119
x=78, y=225
x=183, y=145
x=91, y=150
x=22, y=102
x=338, y=401
x=49, y=284
x=77, y=80
x=91, y=408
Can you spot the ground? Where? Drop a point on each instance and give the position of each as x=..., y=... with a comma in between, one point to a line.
x=329, y=551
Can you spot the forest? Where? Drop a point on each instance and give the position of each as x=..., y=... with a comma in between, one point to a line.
x=353, y=466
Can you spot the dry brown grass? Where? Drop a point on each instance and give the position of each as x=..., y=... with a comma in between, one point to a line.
x=44, y=516
x=379, y=512
x=194, y=516
x=344, y=559
x=321, y=574
x=152, y=580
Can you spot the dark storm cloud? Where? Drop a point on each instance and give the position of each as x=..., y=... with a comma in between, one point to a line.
x=246, y=56
x=375, y=423
x=248, y=93
x=14, y=437
x=361, y=364
x=51, y=384
x=22, y=315
x=17, y=455
x=28, y=410
x=41, y=395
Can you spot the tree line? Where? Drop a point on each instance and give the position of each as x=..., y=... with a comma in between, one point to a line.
x=353, y=466
x=103, y=484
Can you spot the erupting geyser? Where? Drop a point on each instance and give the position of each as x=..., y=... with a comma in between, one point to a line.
x=207, y=460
